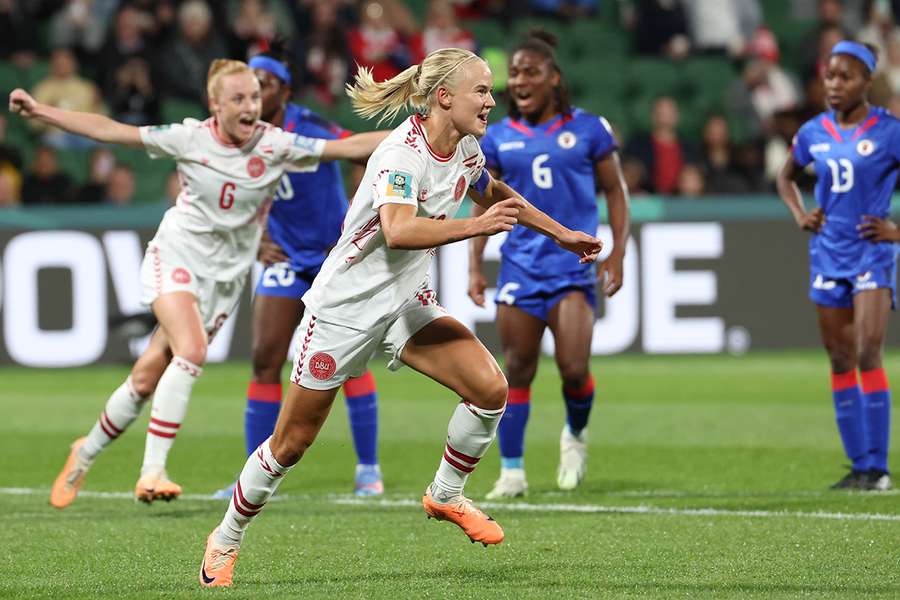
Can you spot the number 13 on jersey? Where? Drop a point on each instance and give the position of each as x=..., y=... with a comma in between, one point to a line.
x=841, y=175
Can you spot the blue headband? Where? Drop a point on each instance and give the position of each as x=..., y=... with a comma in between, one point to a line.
x=271, y=65
x=856, y=50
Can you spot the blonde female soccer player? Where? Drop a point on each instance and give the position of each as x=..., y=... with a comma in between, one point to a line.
x=197, y=262
x=372, y=294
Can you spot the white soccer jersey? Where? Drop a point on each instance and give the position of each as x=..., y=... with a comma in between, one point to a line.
x=363, y=280
x=226, y=190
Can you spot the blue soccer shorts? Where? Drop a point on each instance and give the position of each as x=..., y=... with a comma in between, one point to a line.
x=281, y=280
x=537, y=295
x=838, y=292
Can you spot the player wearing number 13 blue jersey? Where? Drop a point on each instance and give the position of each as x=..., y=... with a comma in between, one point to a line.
x=855, y=150
x=556, y=155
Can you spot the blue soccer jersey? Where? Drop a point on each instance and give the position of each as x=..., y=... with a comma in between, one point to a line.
x=551, y=165
x=856, y=170
x=305, y=219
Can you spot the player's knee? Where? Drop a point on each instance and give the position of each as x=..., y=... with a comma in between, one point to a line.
x=574, y=376
x=193, y=351
x=870, y=353
x=494, y=393
x=266, y=368
x=520, y=370
x=144, y=381
x=841, y=356
x=289, y=448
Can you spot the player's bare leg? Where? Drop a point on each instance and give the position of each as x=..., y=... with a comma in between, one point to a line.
x=838, y=334
x=872, y=309
x=520, y=337
x=449, y=353
x=180, y=320
x=121, y=409
x=301, y=417
x=572, y=322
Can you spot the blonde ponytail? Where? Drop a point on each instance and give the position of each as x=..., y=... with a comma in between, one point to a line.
x=219, y=68
x=415, y=87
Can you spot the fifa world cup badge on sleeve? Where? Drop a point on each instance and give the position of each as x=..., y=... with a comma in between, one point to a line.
x=399, y=184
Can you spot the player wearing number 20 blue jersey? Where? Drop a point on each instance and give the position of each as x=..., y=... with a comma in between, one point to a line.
x=856, y=170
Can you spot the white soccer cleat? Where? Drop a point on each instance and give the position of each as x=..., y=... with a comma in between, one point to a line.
x=572, y=459
x=512, y=484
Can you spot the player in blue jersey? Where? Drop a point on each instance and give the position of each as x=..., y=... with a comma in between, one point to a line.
x=855, y=150
x=304, y=223
x=555, y=155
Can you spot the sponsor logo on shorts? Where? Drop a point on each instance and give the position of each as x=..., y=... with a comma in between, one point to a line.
x=821, y=283
x=864, y=281
x=180, y=275
x=865, y=147
x=399, y=184
x=322, y=366
x=566, y=140
x=256, y=166
x=460, y=188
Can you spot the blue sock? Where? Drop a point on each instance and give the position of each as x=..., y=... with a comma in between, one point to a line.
x=877, y=396
x=263, y=404
x=511, y=432
x=850, y=415
x=578, y=405
x=362, y=408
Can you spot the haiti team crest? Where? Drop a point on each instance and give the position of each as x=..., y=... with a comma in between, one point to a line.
x=865, y=147
x=566, y=140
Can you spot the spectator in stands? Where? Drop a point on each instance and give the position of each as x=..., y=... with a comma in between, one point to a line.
x=9, y=193
x=816, y=47
x=722, y=25
x=327, y=59
x=716, y=160
x=661, y=150
x=691, y=182
x=82, y=25
x=46, y=183
x=376, y=43
x=441, y=31
x=886, y=82
x=748, y=160
x=185, y=60
x=254, y=24
x=786, y=124
x=763, y=89
x=129, y=38
x=134, y=100
x=100, y=169
x=65, y=88
x=120, y=188
x=635, y=176
x=658, y=27
x=18, y=44
x=9, y=154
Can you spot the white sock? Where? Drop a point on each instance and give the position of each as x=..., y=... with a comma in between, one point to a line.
x=258, y=481
x=469, y=435
x=122, y=408
x=170, y=404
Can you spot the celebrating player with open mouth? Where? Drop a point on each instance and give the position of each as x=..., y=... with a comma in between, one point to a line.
x=852, y=253
x=556, y=155
x=372, y=294
x=196, y=264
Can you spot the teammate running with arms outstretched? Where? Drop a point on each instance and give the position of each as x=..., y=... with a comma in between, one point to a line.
x=556, y=155
x=855, y=148
x=373, y=295
x=196, y=264
x=303, y=225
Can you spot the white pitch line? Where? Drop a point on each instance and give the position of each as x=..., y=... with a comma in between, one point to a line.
x=342, y=500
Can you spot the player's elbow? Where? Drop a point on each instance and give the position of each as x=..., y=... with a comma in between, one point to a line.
x=394, y=236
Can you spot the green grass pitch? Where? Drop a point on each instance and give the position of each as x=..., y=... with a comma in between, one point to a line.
x=707, y=478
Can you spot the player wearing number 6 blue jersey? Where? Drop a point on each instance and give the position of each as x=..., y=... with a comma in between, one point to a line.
x=303, y=224
x=855, y=150
x=556, y=155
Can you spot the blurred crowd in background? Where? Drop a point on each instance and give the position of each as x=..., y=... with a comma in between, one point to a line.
x=704, y=95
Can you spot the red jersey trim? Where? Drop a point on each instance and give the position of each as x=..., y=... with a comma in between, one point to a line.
x=417, y=123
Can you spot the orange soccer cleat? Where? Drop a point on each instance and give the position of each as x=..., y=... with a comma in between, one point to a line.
x=217, y=568
x=69, y=480
x=460, y=510
x=156, y=486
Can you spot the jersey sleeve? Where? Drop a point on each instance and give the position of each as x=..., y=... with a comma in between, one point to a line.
x=301, y=153
x=400, y=172
x=602, y=141
x=166, y=141
x=800, y=147
x=489, y=149
x=476, y=159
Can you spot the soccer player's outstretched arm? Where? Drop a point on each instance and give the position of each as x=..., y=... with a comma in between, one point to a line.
x=357, y=147
x=404, y=230
x=587, y=247
x=91, y=125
